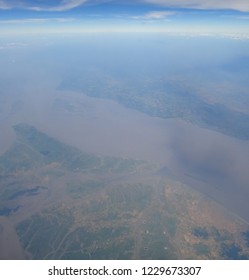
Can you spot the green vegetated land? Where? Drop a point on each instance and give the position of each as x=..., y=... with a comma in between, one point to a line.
x=95, y=207
x=161, y=97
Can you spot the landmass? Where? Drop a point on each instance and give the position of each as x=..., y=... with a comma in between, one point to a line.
x=62, y=203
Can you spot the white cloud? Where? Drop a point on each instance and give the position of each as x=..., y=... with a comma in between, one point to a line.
x=241, y=5
x=155, y=15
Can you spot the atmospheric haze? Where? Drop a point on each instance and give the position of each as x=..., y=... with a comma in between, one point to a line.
x=124, y=144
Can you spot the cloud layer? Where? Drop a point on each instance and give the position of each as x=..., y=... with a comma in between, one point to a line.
x=64, y=5
x=241, y=5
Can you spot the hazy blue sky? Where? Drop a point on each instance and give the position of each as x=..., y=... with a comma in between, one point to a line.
x=222, y=16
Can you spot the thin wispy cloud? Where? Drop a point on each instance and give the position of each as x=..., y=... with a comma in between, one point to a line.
x=12, y=45
x=4, y=5
x=36, y=20
x=240, y=5
x=243, y=17
x=63, y=5
x=154, y=15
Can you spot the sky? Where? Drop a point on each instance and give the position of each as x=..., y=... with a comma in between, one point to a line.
x=196, y=16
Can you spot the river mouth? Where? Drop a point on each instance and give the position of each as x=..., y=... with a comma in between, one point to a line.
x=211, y=162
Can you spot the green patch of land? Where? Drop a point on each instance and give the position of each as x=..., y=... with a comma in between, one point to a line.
x=34, y=149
